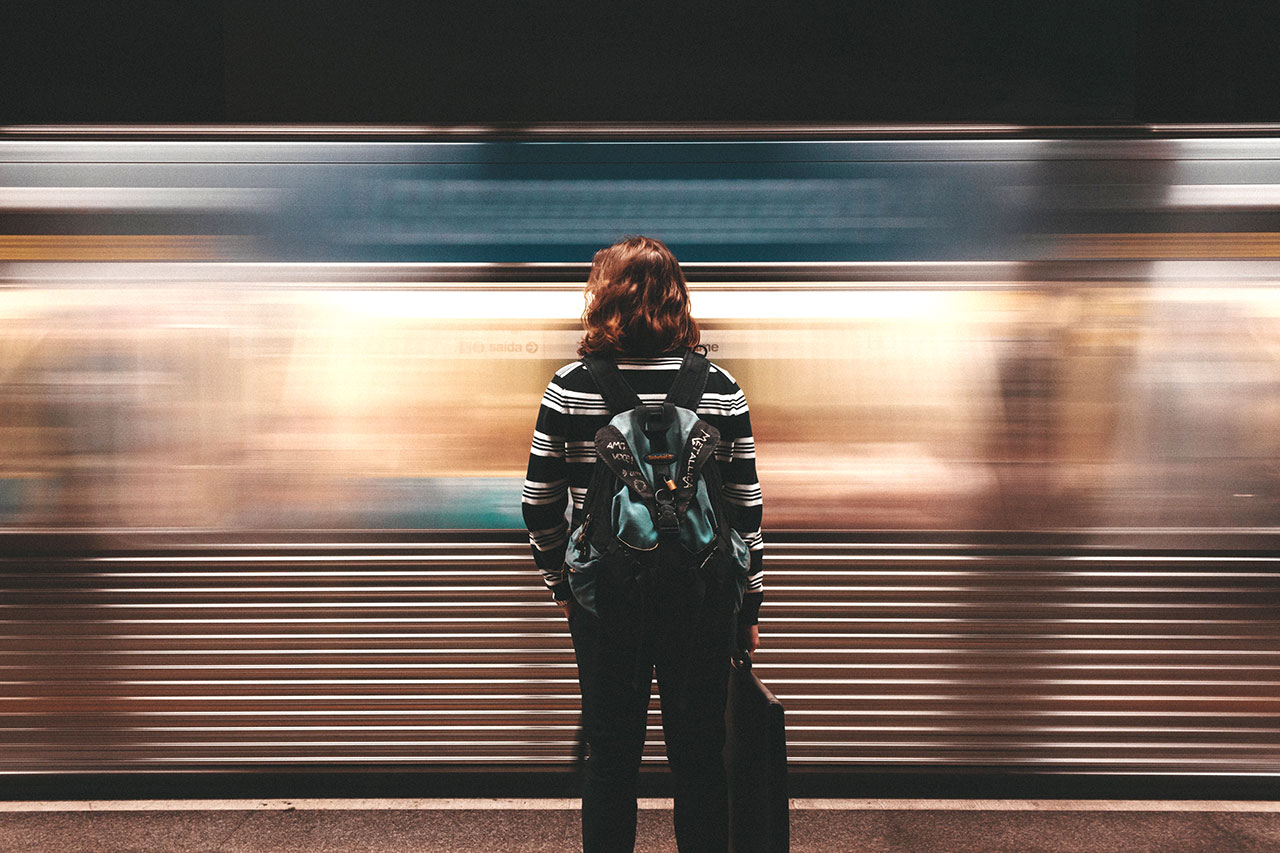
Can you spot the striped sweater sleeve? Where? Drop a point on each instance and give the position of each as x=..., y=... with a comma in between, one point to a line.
x=546, y=491
x=744, y=502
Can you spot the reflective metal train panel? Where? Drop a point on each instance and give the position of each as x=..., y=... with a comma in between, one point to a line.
x=1082, y=653
x=265, y=410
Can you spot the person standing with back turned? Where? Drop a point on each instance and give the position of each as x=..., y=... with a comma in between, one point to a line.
x=626, y=623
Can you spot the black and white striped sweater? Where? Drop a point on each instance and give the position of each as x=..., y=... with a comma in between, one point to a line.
x=563, y=455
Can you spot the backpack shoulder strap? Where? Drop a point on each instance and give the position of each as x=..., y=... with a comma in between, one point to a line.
x=690, y=382
x=617, y=394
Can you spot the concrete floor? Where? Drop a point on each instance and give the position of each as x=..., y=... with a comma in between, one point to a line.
x=515, y=826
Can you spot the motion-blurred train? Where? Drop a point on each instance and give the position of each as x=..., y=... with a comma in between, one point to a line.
x=266, y=398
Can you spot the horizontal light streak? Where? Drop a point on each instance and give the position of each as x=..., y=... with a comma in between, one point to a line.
x=1008, y=727
x=1007, y=587
x=987, y=746
x=566, y=744
x=443, y=635
x=257, y=605
x=1001, y=560
x=1003, y=574
x=771, y=651
x=1007, y=575
x=1167, y=245
x=1162, y=574
x=416, y=727
x=294, y=666
x=776, y=683
x=565, y=747
x=350, y=589
x=1223, y=195
x=654, y=728
x=1126, y=765
x=1049, y=676
x=1021, y=636
x=993, y=550
x=575, y=131
x=957, y=658
x=300, y=682
x=284, y=758
x=1124, y=558
x=470, y=573
x=643, y=803
x=541, y=604
x=1001, y=713
x=786, y=689
x=557, y=619
x=326, y=620
x=132, y=713
x=796, y=568
x=43, y=248
x=384, y=698
x=1045, y=620
x=93, y=649
x=927, y=558
x=338, y=545
x=879, y=636
x=533, y=582
x=273, y=558
x=995, y=664
x=855, y=546
x=133, y=274
x=307, y=804
x=133, y=198
x=521, y=546
x=972, y=696
x=1112, y=764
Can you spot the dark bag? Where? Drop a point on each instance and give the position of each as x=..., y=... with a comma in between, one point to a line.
x=756, y=762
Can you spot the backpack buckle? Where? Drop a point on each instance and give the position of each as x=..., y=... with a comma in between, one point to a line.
x=666, y=515
x=658, y=418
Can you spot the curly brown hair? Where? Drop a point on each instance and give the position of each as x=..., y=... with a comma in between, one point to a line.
x=637, y=301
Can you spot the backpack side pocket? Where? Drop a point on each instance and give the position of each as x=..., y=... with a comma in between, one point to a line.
x=583, y=562
x=725, y=566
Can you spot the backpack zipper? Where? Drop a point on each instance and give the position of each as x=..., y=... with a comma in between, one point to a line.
x=583, y=546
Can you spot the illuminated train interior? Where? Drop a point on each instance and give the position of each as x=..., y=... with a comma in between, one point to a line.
x=265, y=409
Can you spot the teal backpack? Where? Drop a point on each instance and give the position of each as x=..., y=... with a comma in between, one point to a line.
x=654, y=529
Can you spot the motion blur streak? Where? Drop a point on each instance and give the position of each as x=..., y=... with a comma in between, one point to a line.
x=114, y=247
x=1225, y=245
x=265, y=406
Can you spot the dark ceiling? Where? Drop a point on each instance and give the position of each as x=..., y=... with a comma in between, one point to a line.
x=489, y=62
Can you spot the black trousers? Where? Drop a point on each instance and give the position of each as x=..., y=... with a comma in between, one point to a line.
x=689, y=647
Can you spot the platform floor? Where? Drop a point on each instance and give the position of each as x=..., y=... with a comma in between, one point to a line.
x=535, y=826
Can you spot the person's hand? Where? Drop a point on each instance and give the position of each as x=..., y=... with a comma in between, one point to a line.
x=749, y=638
x=566, y=607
